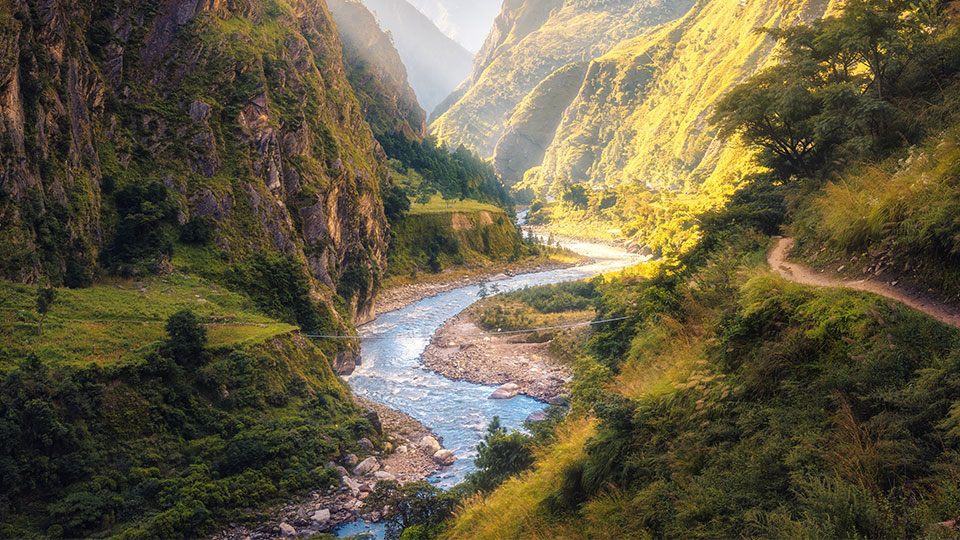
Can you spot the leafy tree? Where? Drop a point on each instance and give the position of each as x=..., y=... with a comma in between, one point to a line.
x=186, y=337
x=576, y=196
x=45, y=299
x=841, y=90
x=417, y=511
x=500, y=455
x=146, y=228
x=395, y=202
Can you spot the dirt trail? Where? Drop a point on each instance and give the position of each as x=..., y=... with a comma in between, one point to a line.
x=777, y=258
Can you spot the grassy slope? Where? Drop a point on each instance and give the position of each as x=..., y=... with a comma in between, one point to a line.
x=109, y=321
x=164, y=450
x=760, y=404
x=897, y=219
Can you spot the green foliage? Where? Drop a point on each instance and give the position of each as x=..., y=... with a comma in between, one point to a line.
x=195, y=447
x=145, y=231
x=458, y=174
x=847, y=88
x=416, y=510
x=500, y=455
x=576, y=196
x=197, y=231
x=279, y=286
x=45, y=298
x=186, y=337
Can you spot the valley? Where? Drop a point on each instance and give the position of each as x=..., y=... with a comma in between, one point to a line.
x=345, y=269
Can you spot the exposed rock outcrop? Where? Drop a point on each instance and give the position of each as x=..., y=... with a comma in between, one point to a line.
x=244, y=112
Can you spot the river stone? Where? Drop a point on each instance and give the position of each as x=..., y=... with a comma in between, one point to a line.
x=538, y=416
x=351, y=460
x=367, y=466
x=351, y=484
x=444, y=457
x=384, y=476
x=430, y=444
x=321, y=516
x=287, y=530
x=507, y=391
x=365, y=444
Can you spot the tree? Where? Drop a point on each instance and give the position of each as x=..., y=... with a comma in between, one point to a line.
x=500, y=455
x=45, y=299
x=186, y=337
x=576, y=196
x=416, y=511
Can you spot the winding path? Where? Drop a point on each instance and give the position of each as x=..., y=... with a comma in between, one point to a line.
x=777, y=258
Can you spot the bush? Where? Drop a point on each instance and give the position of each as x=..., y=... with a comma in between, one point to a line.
x=500, y=455
x=186, y=337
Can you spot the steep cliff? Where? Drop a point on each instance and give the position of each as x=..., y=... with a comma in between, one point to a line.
x=376, y=72
x=242, y=110
x=529, y=42
x=435, y=63
x=641, y=113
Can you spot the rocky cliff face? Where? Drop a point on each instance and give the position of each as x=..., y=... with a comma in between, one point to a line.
x=377, y=72
x=530, y=41
x=242, y=109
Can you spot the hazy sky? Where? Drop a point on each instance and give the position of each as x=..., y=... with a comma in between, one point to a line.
x=467, y=21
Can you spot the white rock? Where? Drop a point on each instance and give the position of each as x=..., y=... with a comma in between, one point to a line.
x=321, y=516
x=367, y=466
x=402, y=449
x=444, y=457
x=351, y=484
x=430, y=444
x=384, y=476
x=507, y=391
x=287, y=530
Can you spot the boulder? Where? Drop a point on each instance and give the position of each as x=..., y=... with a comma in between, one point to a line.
x=507, y=391
x=374, y=418
x=365, y=444
x=287, y=531
x=431, y=445
x=351, y=484
x=321, y=516
x=351, y=460
x=367, y=466
x=444, y=457
x=538, y=416
x=384, y=476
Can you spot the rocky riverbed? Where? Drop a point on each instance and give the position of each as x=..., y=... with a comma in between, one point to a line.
x=410, y=452
x=457, y=352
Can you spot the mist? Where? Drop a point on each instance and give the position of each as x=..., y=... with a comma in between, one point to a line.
x=466, y=21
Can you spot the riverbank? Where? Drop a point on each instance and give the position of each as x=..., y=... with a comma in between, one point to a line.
x=407, y=455
x=401, y=293
x=457, y=352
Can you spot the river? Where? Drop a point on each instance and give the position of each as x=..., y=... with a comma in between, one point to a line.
x=458, y=411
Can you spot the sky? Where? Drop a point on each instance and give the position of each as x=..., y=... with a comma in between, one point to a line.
x=466, y=21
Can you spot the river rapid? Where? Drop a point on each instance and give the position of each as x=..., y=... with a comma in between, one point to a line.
x=458, y=411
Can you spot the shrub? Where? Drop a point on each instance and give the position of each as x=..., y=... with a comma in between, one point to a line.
x=186, y=337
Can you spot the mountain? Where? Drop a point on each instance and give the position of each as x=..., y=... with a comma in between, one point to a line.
x=466, y=21
x=529, y=42
x=126, y=126
x=640, y=116
x=435, y=63
x=376, y=72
